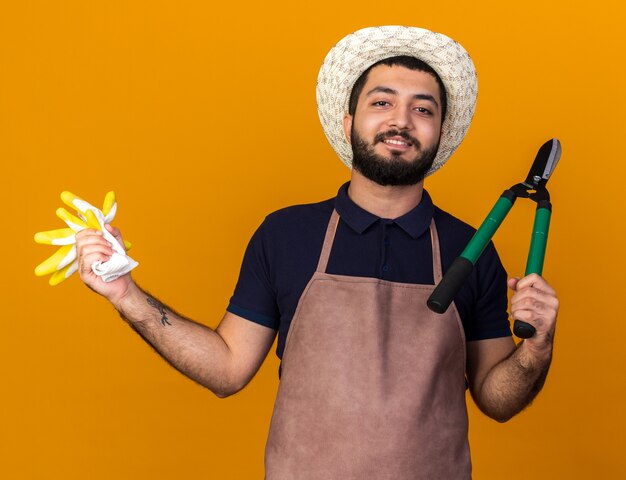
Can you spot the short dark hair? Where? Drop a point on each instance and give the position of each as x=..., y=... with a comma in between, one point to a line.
x=406, y=61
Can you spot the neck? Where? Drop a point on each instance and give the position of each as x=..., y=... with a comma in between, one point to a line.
x=385, y=202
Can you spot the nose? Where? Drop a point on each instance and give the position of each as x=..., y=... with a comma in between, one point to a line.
x=400, y=118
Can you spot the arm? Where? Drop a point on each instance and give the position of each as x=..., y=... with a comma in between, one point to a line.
x=504, y=379
x=223, y=360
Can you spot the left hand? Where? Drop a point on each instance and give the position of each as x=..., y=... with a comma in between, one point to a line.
x=535, y=302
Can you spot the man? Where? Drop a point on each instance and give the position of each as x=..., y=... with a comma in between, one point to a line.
x=372, y=382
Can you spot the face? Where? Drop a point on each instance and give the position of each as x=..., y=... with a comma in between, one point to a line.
x=396, y=127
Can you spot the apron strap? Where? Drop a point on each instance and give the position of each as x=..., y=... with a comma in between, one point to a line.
x=328, y=242
x=434, y=238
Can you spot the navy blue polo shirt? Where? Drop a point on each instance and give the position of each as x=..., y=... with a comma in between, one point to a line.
x=283, y=254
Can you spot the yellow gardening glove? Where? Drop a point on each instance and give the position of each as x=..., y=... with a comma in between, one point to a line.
x=62, y=264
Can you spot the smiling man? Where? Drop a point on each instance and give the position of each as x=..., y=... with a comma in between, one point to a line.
x=392, y=117
x=372, y=382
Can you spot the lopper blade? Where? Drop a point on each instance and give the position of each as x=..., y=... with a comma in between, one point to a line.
x=543, y=166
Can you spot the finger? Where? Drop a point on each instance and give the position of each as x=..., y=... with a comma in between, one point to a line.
x=512, y=283
x=533, y=299
x=541, y=290
x=535, y=281
x=543, y=319
x=531, y=303
x=118, y=236
x=539, y=323
x=525, y=292
x=543, y=308
x=113, y=230
x=88, y=236
x=102, y=249
x=94, y=244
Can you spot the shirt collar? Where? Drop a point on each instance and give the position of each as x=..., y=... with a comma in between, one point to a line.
x=414, y=222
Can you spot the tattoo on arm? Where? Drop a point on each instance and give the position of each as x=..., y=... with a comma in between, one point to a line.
x=161, y=308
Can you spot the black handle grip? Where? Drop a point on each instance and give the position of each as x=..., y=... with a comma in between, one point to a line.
x=523, y=329
x=450, y=284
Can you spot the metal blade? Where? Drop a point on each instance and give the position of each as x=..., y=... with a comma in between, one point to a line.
x=545, y=163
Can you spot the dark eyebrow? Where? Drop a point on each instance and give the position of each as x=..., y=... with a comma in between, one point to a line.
x=426, y=96
x=388, y=90
x=391, y=91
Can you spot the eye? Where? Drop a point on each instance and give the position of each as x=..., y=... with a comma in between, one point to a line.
x=381, y=103
x=423, y=110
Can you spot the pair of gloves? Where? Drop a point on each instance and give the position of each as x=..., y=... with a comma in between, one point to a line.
x=63, y=263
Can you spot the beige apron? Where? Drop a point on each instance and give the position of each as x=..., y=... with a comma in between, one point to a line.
x=372, y=385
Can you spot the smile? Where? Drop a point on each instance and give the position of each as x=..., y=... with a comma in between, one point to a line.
x=397, y=143
x=391, y=141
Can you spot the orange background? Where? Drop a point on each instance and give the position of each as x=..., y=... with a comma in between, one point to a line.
x=202, y=118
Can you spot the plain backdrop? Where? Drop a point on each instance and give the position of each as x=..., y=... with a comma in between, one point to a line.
x=201, y=116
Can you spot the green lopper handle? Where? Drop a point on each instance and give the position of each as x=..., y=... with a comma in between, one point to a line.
x=536, y=256
x=455, y=277
x=488, y=228
x=539, y=241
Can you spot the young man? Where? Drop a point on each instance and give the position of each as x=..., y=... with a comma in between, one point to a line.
x=372, y=382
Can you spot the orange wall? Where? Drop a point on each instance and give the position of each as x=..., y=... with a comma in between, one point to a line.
x=202, y=118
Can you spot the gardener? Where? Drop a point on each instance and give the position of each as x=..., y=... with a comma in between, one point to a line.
x=372, y=382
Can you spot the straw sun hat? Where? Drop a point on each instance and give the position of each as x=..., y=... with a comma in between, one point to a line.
x=347, y=60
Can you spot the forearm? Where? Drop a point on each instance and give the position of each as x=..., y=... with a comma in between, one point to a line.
x=194, y=349
x=512, y=384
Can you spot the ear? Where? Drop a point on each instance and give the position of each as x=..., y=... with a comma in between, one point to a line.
x=347, y=126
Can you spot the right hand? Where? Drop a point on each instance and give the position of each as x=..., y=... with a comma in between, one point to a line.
x=92, y=247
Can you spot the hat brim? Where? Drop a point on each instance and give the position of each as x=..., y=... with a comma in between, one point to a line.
x=355, y=53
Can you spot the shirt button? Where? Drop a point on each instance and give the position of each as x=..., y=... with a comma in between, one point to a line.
x=386, y=268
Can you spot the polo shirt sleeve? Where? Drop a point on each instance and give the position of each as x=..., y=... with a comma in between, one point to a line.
x=489, y=317
x=254, y=298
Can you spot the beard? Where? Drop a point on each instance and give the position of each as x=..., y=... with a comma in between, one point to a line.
x=391, y=170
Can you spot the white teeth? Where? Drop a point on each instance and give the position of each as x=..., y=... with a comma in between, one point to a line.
x=396, y=142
